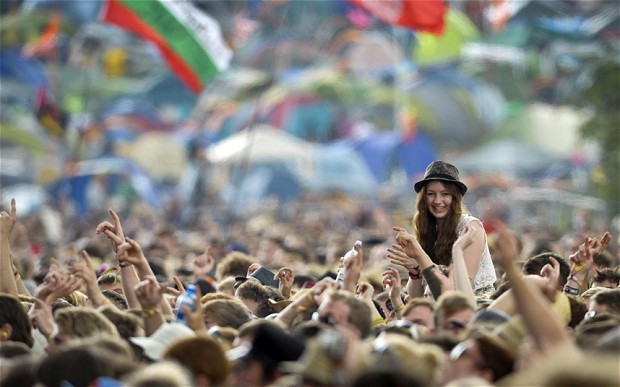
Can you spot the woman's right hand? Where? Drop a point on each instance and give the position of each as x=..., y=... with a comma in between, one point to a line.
x=399, y=256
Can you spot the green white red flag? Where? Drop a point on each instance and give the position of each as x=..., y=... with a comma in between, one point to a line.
x=419, y=15
x=190, y=40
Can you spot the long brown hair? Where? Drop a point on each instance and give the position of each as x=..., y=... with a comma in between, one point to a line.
x=437, y=243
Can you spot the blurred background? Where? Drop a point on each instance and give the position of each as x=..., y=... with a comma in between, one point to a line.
x=320, y=100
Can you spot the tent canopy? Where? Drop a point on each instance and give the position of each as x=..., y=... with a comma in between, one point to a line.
x=261, y=144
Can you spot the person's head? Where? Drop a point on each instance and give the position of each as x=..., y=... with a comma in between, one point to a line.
x=160, y=374
x=453, y=312
x=21, y=372
x=400, y=354
x=14, y=321
x=11, y=349
x=257, y=364
x=606, y=278
x=483, y=355
x=234, y=264
x=79, y=322
x=256, y=297
x=203, y=356
x=225, y=313
x=578, y=309
x=420, y=312
x=116, y=298
x=127, y=324
x=343, y=308
x=534, y=265
x=77, y=366
x=439, y=206
x=607, y=301
x=109, y=280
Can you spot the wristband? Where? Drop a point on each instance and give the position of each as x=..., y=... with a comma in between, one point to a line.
x=415, y=277
x=571, y=290
x=378, y=321
x=310, y=298
x=399, y=307
x=146, y=313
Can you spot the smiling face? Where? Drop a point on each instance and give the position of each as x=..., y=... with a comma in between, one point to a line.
x=438, y=199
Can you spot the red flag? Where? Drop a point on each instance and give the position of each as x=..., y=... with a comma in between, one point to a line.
x=420, y=15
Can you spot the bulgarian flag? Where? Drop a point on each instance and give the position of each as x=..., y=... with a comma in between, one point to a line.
x=419, y=15
x=190, y=40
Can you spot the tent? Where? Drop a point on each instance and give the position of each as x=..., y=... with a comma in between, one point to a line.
x=384, y=151
x=338, y=167
x=510, y=157
x=262, y=144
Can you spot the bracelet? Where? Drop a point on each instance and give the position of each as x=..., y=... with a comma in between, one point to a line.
x=415, y=277
x=571, y=290
x=124, y=264
x=146, y=313
x=574, y=279
x=576, y=269
x=310, y=298
x=378, y=321
x=399, y=307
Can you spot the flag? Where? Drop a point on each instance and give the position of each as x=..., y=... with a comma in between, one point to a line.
x=45, y=45
x=420, y=15
x=190, y=41
x=50, y=115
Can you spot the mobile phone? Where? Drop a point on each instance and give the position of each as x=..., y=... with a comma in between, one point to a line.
x=265, y=277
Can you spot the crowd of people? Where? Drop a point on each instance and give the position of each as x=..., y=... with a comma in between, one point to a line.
x=288, y=297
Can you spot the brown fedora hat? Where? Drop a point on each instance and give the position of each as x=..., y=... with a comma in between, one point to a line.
x=441, y=170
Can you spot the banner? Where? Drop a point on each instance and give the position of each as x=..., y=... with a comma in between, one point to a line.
x=190, y=40
x=419, y=15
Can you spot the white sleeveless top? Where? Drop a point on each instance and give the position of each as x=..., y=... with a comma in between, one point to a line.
x=485, y=277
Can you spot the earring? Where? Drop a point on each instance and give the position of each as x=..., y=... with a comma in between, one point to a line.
x=4, y=335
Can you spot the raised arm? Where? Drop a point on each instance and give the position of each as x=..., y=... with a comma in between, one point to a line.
x=8, y=278
x=538, y=316
x=460, y=268
x=472, y=252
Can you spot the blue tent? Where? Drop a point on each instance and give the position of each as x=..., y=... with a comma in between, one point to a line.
x=387, y=150
x=76, y=186
x=29, y=71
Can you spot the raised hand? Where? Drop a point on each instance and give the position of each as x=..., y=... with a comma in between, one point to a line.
x=8, y=220
x=84, y=270
x=391, y=282
x=551, y=271
x=203, y=264
x=149, y=293
x=130, y=252
x=42, y=317
x=364, y=290
x=114, y=231
x=398, y=256
x=195, y=318
x=322, y=288
x=466, y=239
x=252, y=268
x=64, y=285
x=286, y=276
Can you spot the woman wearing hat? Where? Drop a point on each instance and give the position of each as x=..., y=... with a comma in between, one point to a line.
x=441, y=218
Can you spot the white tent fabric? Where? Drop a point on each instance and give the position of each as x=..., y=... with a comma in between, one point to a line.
x=263, y=144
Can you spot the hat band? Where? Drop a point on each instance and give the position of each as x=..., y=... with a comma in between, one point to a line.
x=440, y=176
